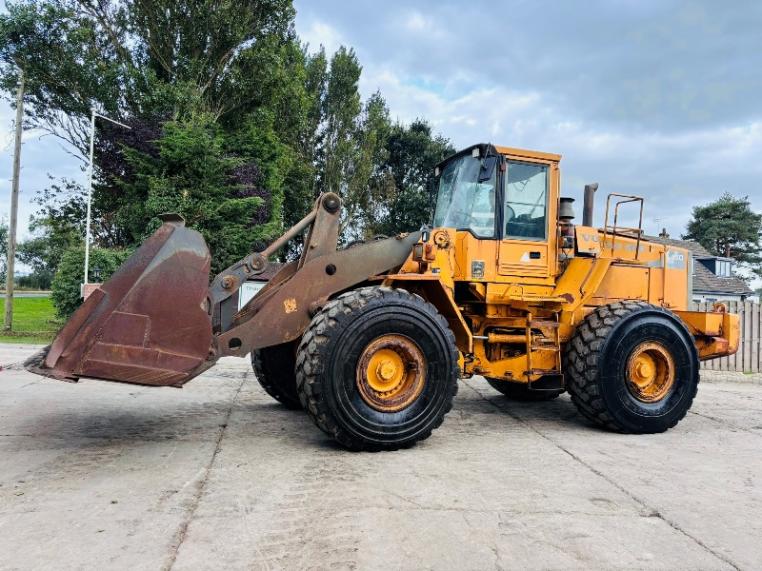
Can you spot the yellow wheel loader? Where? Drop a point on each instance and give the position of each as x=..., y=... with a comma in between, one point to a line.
x=371, y=340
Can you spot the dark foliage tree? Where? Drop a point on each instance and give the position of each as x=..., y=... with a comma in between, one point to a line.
x=729, y=227
x=406, y=186
x=232, y=122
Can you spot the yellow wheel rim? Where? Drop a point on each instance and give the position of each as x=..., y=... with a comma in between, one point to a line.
x=650, y=372
x=391, y=373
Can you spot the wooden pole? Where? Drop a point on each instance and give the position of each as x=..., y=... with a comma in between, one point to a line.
x=14, y=204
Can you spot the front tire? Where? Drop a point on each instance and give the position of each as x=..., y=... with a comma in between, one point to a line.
x=377, y=369
x=632, y=367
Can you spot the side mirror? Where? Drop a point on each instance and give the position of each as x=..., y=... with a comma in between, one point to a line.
x=487, y=168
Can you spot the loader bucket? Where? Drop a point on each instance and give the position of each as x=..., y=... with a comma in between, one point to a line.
x=147, y=324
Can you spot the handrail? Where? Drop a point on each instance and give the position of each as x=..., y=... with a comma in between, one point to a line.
x=639, y=230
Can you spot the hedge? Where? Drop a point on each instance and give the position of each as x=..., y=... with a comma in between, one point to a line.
x=66, y=283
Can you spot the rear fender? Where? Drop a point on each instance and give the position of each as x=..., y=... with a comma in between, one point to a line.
x=716, y=333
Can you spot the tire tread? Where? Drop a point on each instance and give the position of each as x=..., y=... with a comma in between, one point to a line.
x=582, y=356
x=309, y=364
x=274, y=383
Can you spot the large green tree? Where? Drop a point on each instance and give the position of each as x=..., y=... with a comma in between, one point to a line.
x=69, y=66
x=232, y=123
x=729, y=227
x=405, y=187
x=147, y=58
x=216, y=94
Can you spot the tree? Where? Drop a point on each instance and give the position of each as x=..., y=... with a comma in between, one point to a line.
x=233, y=123
x=339, y=154
x=57, y=227
x=216, y=72
x=371, y=135
x=43, y=252
x=405, y=198
x=67, y=67
x=728, y=227
x=143, y=58
x=66, y=283
x=227, y=187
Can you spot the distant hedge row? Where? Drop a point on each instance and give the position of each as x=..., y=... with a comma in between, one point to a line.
x=66, y=283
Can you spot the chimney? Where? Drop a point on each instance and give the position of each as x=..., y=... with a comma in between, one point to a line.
x=663, y=233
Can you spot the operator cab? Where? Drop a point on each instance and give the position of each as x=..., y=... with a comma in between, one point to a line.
x=506, y=195
x=470, y=184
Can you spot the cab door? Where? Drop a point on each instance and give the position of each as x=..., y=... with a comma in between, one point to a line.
x=528, y=229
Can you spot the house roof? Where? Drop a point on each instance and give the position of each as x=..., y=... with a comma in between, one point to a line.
x=704, y=280
x=694, y=247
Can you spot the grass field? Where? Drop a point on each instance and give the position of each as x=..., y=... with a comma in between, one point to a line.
x=34, y=320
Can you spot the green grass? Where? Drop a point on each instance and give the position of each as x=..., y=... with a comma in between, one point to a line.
x=34, y=320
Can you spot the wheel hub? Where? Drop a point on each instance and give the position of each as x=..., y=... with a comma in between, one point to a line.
x=391, y=373
x=650, y=372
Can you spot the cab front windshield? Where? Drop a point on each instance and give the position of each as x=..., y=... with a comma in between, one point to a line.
x=463, y=202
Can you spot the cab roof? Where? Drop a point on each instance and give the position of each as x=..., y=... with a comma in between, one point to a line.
x=512, y=151
x=484, y=149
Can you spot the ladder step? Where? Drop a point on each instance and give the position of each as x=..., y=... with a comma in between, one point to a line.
x=542, y=372
x=544, y=323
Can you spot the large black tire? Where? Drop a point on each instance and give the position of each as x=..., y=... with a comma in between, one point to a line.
x=274, y=368
x=596, y=367
x=328, y=368
x=521, y=392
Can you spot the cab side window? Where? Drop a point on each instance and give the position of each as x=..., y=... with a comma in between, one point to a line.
x=526, y=201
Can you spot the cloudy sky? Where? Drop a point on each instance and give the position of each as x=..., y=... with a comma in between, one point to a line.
x=656, y=98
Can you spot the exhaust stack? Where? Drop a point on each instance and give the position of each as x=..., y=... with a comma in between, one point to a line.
x=587, y=208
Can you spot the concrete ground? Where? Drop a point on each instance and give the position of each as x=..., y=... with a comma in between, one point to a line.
x=217, y=475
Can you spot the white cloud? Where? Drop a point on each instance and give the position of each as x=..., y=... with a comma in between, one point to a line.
x=673, y=170
x=321, y=34
x=655, y=103
x=415, y=22
x=422, y=27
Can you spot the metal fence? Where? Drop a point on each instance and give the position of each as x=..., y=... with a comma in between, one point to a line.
x=748, y=359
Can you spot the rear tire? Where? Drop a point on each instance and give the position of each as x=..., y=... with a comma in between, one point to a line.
x=521, y=392
x=632, y=367
x=377, y=369
x=274, y=369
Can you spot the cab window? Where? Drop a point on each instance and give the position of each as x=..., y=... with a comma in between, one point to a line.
x=526, y=201
x=463, y=201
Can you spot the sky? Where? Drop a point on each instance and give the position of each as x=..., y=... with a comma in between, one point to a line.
x=655, y=98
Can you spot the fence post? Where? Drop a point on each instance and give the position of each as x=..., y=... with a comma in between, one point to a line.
x=745, y=335
x=755, y=340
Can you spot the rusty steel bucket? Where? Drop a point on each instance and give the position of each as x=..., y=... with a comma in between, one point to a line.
x=148, y=324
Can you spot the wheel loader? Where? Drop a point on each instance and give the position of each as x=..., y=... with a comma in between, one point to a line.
x=371, y=340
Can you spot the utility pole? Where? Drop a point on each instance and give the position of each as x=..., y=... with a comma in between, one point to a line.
x=88, y=238
x=14, y=204
x=89, y=198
